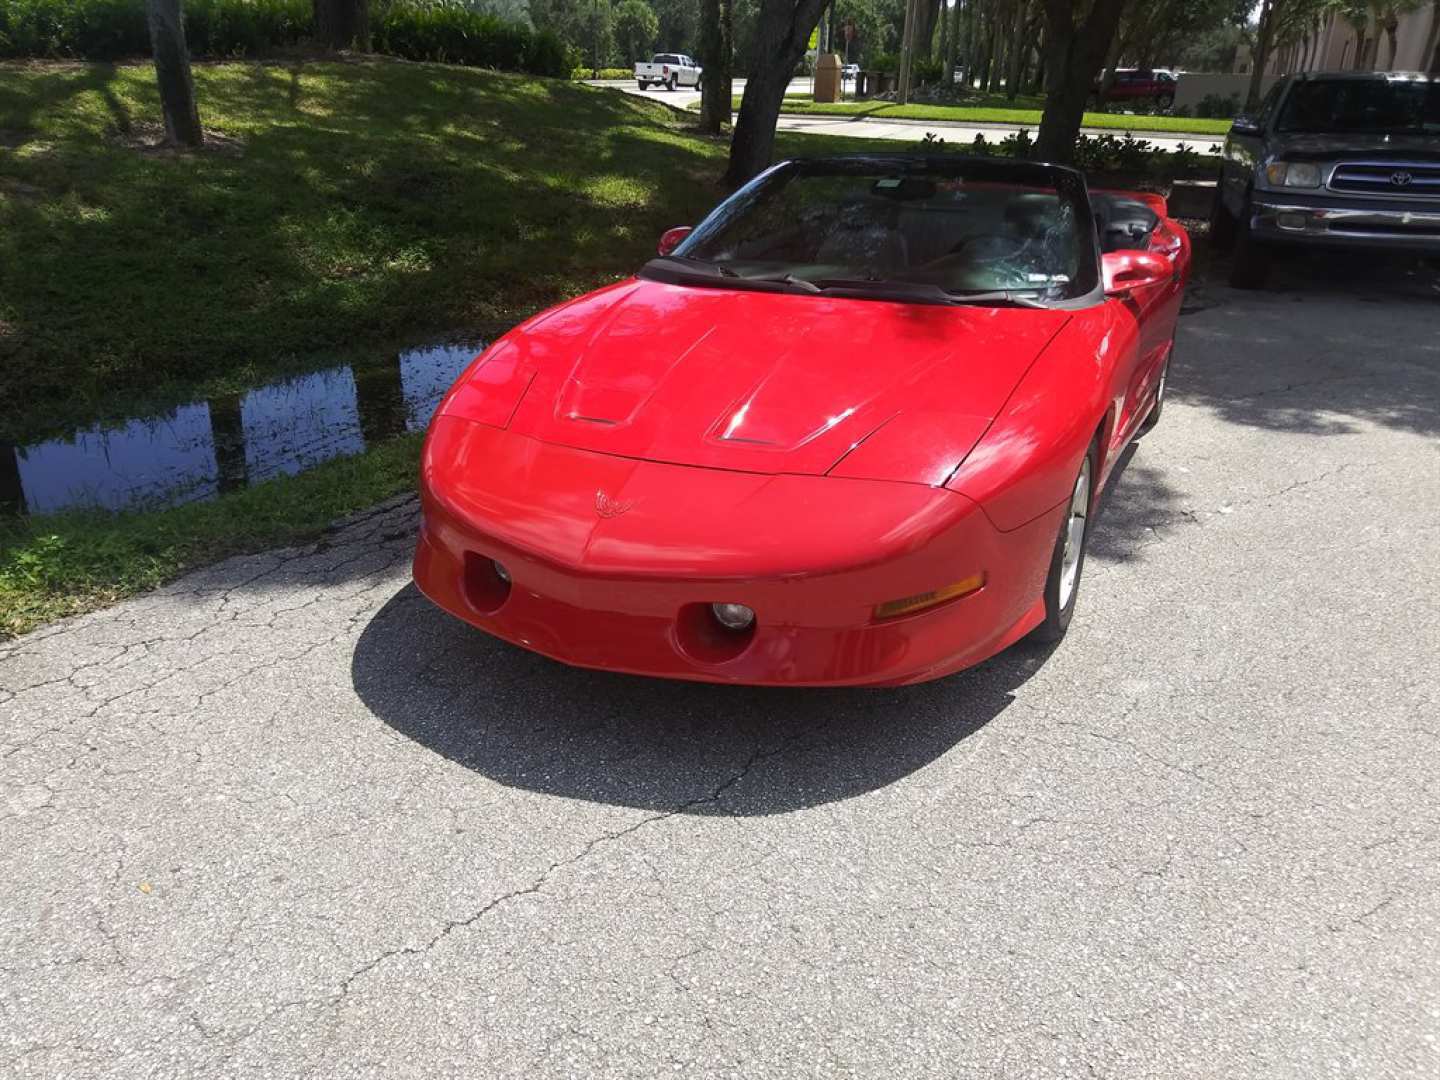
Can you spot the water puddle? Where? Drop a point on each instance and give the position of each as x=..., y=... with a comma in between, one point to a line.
x=203, y=448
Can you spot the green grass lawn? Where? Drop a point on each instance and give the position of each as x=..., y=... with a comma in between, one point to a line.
x=998, y=114
x=59, y=564
x=345, y=207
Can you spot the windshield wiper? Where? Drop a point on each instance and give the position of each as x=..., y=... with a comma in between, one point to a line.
x=934, y=292
x=999, y=296
x=913, y=289
x=688, y=264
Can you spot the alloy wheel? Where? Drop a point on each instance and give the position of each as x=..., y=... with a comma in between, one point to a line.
x=1079, y=514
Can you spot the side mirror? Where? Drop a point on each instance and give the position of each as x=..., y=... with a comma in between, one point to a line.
x=1245, y=125
x=670, y=239
x=1127, y=270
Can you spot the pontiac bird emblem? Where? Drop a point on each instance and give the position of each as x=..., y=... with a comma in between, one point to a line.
x=607, y=507
x=1400, y=178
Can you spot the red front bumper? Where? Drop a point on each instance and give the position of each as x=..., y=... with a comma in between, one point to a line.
x=614, y=563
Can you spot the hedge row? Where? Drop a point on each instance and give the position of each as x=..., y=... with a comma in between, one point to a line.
x=441, y=30
x=585, y=72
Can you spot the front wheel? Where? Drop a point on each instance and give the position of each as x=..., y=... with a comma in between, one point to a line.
x=1222, y=225
x=642, y=84
x=1251, y=266
x=1062, y=585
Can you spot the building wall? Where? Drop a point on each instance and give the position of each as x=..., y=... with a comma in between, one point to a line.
x=1195, y=87
x=1335, y=45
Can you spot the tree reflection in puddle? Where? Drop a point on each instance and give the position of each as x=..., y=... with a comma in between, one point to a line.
x=202, y=448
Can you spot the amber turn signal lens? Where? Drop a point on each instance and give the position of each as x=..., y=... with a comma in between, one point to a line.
x=906, y=605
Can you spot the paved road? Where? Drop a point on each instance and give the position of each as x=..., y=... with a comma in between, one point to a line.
x=284, y=819
x=905, y=130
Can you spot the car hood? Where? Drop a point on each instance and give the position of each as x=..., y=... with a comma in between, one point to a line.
x=767, y=382
x=1379, y=147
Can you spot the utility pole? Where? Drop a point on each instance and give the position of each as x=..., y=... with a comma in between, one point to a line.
x=907, y=50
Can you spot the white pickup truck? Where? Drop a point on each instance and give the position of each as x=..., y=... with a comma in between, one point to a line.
x=668, y=70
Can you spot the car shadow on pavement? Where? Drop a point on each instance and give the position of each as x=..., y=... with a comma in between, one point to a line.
x=532, y=723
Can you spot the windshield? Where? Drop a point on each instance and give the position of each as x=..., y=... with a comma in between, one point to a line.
x=1371, y=106
x=948, y=228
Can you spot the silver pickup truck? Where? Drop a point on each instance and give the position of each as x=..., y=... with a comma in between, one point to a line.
x=668, y=70
x=1331, y=160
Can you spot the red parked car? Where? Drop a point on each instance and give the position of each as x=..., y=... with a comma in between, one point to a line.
x=851, y=429
x=1138, y=85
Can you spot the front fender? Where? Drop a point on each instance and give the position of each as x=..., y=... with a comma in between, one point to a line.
x=1026, y=462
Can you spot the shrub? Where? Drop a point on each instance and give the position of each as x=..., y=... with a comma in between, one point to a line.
x=1096, y=154
x=443, y=30
x=584, y=71
x=96, y=29
x=924, y=72
x=452, y=33
x=1218, y=106
x=244, y=27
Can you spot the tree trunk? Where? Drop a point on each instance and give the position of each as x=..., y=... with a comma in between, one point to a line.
x=1430, y=57
x=1264, y=30
x=12, y=491
x=992, y=55
x=781, y=35
x=172, y=72
x=944, y=41
x=928, y=12
x=227, y=439
x=972, y=44
x=1018, y=49
x=716, y=60
x=952, y=46
x=1390, y=27
x=343, y=24
x=1074, y=56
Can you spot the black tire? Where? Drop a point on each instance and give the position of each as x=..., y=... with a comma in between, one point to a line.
x=1058, y=614
x=642, y=84
x=1251, y=266
x=673, y=83
x=1154, y=418
x=1222, y=225
x=699, y=85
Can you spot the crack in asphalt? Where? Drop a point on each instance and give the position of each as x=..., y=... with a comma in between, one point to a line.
x=539, y=883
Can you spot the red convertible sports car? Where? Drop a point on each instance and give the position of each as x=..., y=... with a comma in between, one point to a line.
x=850, y=429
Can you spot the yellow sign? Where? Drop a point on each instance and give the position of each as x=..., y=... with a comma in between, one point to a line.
x=814, y=39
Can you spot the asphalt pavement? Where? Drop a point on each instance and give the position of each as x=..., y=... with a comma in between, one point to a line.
x=284, y=819
x=864, y=127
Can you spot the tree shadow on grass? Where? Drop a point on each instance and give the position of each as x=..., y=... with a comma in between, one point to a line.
x=528, y=722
